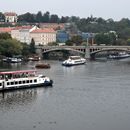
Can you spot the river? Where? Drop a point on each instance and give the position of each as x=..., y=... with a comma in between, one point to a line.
x=94, y=96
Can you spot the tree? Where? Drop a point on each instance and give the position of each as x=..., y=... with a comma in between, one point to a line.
x=64, y=19
x=77, y=40
x=32, y=46
x=27, y=17
x=26, y=49
x=46, y=17
x=5, y=36
x=39, y=17
x=13, y=46
x=2, y=17
x=54, y=19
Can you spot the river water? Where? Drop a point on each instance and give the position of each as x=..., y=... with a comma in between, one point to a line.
x=95, y=96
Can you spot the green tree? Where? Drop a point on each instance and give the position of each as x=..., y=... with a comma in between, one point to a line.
x=46, y=17
x=39, y=17
x=69, y=43
x=54, y=18
x=77, y=40
x=10, y=47
x=2, y=17
x=5, y=36
x=32, y=46
x=27, y=17
x=26, y=49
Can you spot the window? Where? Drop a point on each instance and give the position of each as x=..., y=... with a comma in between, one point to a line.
x=24, y=82
x=16, y=82
x=30, y=81
x=35, y=80
x=12, y=83
x=27, y=81
x=7, y=83
x=20, y=82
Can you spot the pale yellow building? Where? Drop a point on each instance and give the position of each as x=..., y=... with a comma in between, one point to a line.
x=43, y=36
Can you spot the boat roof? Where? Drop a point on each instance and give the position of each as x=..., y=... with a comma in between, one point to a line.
x=18, y=72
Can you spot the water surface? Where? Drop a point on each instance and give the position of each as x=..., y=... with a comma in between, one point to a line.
x=95, y=96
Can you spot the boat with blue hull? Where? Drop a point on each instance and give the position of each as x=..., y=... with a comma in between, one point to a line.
x=74, y=60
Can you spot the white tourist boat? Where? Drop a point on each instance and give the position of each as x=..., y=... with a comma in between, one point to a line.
x=74, y=60
x=22, y=79
x=12, y=60
x=119, y=55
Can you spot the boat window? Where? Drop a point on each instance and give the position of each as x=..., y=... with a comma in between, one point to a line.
x=8, y=83
x=20, y=82
x=27, y=81
x=0, y=84
x=30, y=81
x=24, y=82
x=16, y=82
x=35, y=80
x=12, y=83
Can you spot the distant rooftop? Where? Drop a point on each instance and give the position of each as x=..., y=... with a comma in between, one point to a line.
x=10, y=14
x=45, y=30
x=22, y=27
x=5, y=29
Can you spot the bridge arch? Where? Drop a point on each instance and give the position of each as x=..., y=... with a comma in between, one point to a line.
x=60, y=49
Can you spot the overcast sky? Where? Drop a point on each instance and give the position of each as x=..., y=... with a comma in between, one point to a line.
x=115, y=9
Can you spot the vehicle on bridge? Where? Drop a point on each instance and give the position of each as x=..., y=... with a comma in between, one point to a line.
x=74, y=60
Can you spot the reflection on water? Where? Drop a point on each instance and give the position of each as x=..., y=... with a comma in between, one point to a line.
x=15, y=99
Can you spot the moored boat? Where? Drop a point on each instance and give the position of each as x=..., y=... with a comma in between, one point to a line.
x=119, y=55
x=43, y=66
x=34, y=58
x=74, y=60
x=12, y=60
x=22, y=79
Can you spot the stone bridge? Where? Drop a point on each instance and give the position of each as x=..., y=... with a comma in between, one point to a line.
x=87, y=50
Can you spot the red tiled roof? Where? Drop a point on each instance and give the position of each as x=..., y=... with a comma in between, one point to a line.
x=5, y=29
x=22, y=27
x=45, y=30
x=10, y=14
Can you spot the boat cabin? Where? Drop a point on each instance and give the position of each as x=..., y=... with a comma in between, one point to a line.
x=17, y=74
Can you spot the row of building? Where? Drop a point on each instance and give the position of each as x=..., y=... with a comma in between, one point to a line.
x=41, y=36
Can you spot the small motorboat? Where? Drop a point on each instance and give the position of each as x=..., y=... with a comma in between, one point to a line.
x=43, y=66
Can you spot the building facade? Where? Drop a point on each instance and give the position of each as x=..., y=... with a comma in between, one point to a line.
x=43, y=36
x=62, y=36
x=10, y=17
x=22, y=33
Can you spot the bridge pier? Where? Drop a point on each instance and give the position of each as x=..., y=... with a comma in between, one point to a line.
x=39, y=52
x=87, y=52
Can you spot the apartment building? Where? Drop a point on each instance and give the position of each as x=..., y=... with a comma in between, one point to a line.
x=43, y=36
x=22, y=33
